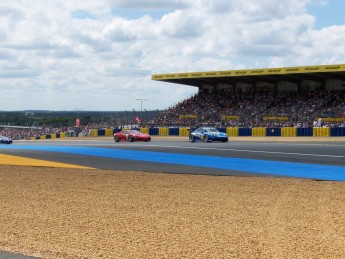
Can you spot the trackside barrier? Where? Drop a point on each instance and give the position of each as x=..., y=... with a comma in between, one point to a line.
x=144, y=130
x=109, y=132
x=94, y=133
x=232, y=132
x=153, y=131
x=163, y=131
x=184, y=132
x=273, y=132
x=244, y=132
x=289, y=132
x=259, y=132
x=173, y=131
x=338, y=132
x=321, y=132
x=116, y=130
x=304, y=132
x=101, y=132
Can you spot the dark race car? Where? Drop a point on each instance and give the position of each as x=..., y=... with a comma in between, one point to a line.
x=131, y=135
x=5, y=140
x=208, y=134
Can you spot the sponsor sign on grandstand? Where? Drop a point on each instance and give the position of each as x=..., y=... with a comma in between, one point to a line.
x=252, y=72
x=331, y=119
x=230, y=117
x=188, y=116
x=274, y=118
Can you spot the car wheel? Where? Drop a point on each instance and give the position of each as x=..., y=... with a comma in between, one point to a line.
x=191, y=138
x=130, y=139
x=206, y=138
x=116, y=138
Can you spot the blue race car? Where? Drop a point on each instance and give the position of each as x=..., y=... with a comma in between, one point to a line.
x=5, y=140
x=208, y=134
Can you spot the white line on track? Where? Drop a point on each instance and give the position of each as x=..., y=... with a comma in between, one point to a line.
x=199, y=148
x=230, y=149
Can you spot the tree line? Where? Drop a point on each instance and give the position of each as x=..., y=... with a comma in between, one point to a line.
x=58, y=119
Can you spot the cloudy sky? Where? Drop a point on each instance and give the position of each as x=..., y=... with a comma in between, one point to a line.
x=100, y=54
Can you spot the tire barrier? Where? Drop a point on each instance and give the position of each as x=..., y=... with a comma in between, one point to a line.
x=163, y=131
x=184, y=132
x=101, y=132
x=231, y=132
x=153, y=131
x=338, y=132
x=321, y=132
x=173, y=131
x=289, y=132
x=273, y=132
x=109, y=132
x=304, y=132
x=244, y=132
x=259, y=132
x=115, y=131
x=143, y=130
x=94, y=133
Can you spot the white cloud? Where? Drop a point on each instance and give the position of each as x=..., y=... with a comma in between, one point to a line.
x=62, y=54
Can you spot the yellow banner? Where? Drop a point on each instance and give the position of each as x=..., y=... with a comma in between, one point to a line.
x=331, y=119
x=188, y=116
x=251, y=72
x=228, y=117
x=273, y=118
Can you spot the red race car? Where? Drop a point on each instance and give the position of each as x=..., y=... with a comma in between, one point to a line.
x=131, y=135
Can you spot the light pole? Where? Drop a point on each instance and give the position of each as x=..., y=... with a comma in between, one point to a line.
x=141, y=106
x=29, y=114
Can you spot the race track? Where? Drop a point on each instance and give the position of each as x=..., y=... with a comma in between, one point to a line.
x=323, y=160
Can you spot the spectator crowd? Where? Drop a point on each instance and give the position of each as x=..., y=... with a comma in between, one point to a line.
x=228, y=108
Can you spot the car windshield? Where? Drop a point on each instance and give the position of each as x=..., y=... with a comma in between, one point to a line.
x=136, y=132
x=212, y=130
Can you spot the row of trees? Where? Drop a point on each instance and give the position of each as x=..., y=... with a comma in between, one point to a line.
x=68, y=118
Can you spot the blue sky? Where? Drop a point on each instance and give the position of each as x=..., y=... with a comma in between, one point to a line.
x=328, y=13
x=100, y=54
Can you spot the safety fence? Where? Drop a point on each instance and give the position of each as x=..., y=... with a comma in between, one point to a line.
x=231, y=132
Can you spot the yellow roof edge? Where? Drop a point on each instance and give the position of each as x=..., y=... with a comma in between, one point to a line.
x=253, y=72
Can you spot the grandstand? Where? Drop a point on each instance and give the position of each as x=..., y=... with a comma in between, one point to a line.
x=269, y=97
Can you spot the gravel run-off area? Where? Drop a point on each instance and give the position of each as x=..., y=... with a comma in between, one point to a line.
x=83, y=213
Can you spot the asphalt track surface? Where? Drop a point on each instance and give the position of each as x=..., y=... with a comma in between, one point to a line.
x=312, y=160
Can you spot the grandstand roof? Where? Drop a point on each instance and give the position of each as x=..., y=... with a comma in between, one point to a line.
x=272, y=75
